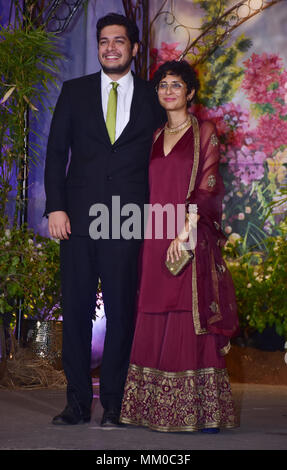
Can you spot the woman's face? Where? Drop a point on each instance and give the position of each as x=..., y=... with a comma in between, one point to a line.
x=172, y=93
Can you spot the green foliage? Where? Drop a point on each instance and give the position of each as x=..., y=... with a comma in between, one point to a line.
x=280, y=203
x=29, y=272
x=260, y=280
x=29, y=263
x=28, y=64
x=258, y=109
x=220, y=74
x=213, y=10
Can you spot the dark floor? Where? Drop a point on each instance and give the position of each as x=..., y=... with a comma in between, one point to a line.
x=25, y=423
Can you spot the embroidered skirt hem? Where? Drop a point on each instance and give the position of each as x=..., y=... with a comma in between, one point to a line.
x=178, y=401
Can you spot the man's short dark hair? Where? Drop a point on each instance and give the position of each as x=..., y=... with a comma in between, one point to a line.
x=121, y=20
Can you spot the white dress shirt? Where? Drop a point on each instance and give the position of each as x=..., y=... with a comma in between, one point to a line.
x=125, y=95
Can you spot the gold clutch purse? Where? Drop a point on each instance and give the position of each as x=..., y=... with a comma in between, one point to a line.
x=179, y=265
x=186, y=257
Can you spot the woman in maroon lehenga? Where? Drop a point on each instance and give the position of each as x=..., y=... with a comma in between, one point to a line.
x=177, y=378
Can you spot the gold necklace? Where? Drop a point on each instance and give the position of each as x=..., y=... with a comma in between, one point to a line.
x=175, y=130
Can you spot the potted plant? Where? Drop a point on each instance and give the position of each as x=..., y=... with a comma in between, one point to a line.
x=29, y=277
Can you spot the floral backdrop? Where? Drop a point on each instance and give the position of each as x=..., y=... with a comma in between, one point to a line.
x=244, y=92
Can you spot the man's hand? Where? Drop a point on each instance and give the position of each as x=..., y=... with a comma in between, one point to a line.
x=59, y=225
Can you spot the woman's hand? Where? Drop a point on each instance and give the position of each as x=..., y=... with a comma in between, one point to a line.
x=174, y=249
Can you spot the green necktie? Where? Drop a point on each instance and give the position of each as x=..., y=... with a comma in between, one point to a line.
x=112, y=112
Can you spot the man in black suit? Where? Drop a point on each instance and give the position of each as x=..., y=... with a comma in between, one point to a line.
x=98, y=169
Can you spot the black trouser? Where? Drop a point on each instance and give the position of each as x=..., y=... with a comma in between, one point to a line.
x=83, y=262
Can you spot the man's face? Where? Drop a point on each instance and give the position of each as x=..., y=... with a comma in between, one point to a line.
x=115, y=51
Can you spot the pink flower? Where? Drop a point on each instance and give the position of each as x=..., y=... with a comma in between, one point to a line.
x=166, y=53
x=232, y=125
x=265, y=79
x=246, y=150
x=246, y=165
x=270, y=133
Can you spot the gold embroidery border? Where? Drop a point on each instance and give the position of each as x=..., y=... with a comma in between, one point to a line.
x=143, y=422
x=187, y=373
x=195, y=312
x=195, y=128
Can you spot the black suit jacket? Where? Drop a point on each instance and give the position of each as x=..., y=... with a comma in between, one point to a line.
x=82, y=166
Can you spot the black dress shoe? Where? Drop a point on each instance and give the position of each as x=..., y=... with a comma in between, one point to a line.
x=111, y=418
x=69, y=416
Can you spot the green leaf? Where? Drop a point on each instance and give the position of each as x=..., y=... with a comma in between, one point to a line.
x=15, y=261
x=244, y=44
x=273, y=86
x=14, y=289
